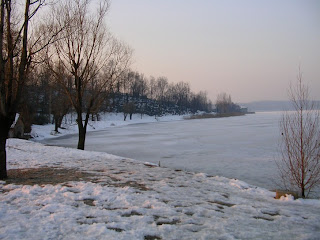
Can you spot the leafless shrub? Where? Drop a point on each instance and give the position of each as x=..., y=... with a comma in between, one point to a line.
x=299, y=165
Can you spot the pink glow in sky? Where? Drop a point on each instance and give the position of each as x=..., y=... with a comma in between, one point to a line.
x=249, y=49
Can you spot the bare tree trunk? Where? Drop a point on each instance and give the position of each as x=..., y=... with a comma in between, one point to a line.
x=302, y=153
x=3, y=157
x=81, y=131
x=5, y=124
x=4, y=130
x=82, y=137
x=57, y=122
x=82, y=127
x=56, y=126
x=10, y=93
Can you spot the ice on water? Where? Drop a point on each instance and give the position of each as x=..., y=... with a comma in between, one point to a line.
x=243, y=147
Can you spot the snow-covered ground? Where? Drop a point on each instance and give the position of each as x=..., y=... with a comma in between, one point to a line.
x=127, y=199
x=106, y=120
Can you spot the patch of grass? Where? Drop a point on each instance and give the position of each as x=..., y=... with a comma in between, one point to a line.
x=115, y=229
x=150, y=237
x=222, y=203
x=132, y=213
x=263, y=218
x=170, y=222
x=132, y=184
x=271, y=212
x=89, y=202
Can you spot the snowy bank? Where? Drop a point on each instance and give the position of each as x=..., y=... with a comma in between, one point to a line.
x=106, y=120
x=125, y=199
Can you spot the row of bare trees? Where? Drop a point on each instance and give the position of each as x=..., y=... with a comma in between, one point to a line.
x=131, y=93
x=72, y=46
x=88, y=52
x=160, y=89
x=65, y=49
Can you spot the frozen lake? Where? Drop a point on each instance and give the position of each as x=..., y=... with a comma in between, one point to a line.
x=238, y=147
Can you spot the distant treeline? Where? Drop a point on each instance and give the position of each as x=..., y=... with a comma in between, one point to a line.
x=45, y=101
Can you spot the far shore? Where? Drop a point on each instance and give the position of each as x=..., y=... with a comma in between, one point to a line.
x=216, y=115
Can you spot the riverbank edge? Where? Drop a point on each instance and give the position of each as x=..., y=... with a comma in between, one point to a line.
x=216, y=115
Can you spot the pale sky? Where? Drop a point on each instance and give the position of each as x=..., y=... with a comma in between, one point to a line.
x=250, y=49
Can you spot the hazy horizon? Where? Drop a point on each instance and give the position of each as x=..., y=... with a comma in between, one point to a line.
x=249, y=49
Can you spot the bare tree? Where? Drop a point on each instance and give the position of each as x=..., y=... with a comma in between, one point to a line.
x=152, y=87
x=90, y=54
x=15, y=60
x=161, y=88
x=128, y=108
x=201, y=102
x=299, y=166
x=59, y=102
x=223, y=103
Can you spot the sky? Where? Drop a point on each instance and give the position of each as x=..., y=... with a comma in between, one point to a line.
x=249, y=49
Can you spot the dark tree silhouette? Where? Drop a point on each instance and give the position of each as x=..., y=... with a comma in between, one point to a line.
x=15, y=60
x=88, y=52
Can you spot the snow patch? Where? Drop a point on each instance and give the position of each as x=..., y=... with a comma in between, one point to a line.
x=128, y=200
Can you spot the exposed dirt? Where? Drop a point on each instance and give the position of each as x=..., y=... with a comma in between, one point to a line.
x=46, y=175
x=56, y=175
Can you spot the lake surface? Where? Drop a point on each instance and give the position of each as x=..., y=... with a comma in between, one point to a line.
x=243, y=147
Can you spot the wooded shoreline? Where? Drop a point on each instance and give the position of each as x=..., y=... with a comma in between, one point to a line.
x=218, y=115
